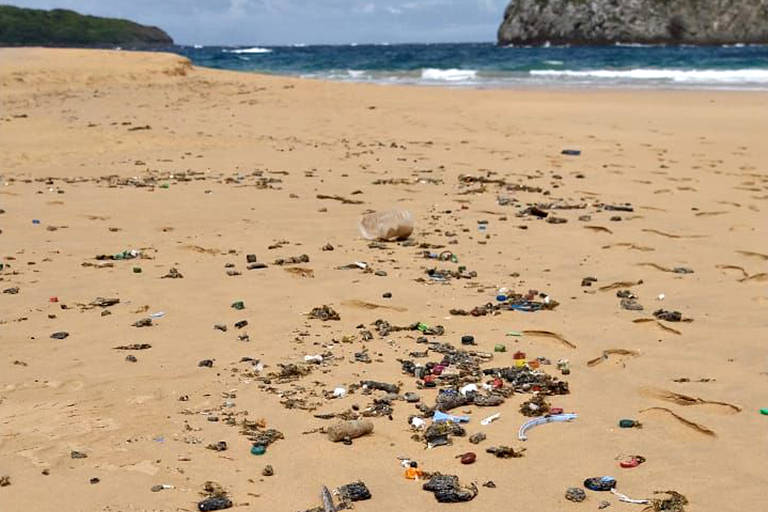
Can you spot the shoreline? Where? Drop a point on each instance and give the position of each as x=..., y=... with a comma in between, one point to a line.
x=446, y=84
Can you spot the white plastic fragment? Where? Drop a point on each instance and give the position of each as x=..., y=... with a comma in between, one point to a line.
x=490, y=419
x=541, y=421
x=417, y=422
x=627, y=499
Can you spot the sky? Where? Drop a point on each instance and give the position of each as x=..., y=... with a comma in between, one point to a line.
x=276, y=22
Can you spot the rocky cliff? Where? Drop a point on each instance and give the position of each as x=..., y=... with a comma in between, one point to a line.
x=597, y=22
x=60, y=27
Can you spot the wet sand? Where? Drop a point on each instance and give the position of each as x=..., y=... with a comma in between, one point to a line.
x=196, y=168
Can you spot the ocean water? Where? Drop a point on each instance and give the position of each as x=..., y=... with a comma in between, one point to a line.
x=485, y=65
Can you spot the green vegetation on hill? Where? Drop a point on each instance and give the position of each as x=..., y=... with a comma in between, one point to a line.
x=60, y=27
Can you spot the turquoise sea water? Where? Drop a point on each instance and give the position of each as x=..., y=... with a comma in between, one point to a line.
x=486, y=65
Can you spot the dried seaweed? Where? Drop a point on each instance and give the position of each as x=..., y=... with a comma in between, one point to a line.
x=620, y=284
x=630, y=245
x=744, y=273
x=688, y=423
x=674, y=502
x=549, y=334
x=355, y=303
x=675, y=270
x=754, y=254
x=671, y=235
x=324, y=313
x=343, y=200
x=686, y=400
x=664, y=327
x=756, y=277
x=599, y=228
x=133, y=346
x=612, y=351
x=300, y=271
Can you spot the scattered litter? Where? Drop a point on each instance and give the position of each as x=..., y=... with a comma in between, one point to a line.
x=447, y=489
x=600, y=483
x=356, y=491
x=505, y=452
x=214, y=503
x=632, y=461
x=626, y=499
x=324, y=313
x=395, y=224
x=490, y=419
x=674, y=502
x=441, y=416
x=467, y=458
x=348, y=430
x=521, y=434
x=575, y=494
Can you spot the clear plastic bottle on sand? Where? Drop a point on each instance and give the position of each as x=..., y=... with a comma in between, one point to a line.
x=394, y=224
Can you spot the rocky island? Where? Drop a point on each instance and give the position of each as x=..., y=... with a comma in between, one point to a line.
x=600, y=22
x=61, y=27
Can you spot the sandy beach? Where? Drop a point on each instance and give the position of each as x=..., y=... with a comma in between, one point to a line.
x=103, y=152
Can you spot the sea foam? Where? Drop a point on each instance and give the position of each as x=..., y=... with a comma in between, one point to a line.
x=673, y=75
x=449, y=75
x=255, y=49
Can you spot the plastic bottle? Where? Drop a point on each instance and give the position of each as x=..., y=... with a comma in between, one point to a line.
x=349, y=429
x=395, y=224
